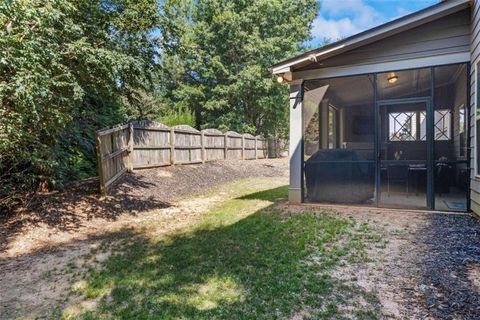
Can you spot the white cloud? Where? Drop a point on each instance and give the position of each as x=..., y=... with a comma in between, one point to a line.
x=345, y=18
x=333, y=29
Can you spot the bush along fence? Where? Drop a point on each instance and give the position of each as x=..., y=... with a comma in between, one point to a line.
x=147, y=144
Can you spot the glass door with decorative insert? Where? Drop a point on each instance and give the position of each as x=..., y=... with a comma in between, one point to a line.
x=403, y=167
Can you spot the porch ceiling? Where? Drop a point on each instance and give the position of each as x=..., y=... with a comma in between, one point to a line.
x=358, y=89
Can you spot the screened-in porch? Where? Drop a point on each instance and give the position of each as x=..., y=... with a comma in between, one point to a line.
x=392, y=139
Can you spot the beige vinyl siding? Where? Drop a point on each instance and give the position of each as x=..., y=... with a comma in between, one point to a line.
x=450, y=34
x=475, y=57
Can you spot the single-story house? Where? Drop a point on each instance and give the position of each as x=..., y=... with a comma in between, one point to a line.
x=388, y=117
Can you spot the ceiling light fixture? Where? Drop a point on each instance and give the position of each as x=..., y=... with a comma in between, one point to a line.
x=392, y=78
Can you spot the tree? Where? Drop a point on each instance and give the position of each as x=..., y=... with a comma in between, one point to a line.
x=217, y=56
x=66, y=69
x=70, y=67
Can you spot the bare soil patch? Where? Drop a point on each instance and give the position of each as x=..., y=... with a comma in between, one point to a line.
x=80, y=208
x=425, y=267
x=47, y=247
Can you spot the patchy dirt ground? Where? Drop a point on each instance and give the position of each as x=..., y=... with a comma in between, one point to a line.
x=426, y=265
x=65, y=231
x=55, y=217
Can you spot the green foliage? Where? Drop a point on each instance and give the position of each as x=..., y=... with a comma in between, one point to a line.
x=218, y=54
x=68, y=68
x=176, y=117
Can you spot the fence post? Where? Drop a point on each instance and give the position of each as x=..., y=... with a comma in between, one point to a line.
x=225, y=145
x=100, y=164
x=130, y=148
x=275, y=146
x=256, y=153
x=266, y=150
x=202, y=144
x=172, y=146
x=243, y=147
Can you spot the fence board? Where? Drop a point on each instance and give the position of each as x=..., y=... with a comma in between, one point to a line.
x=249, y=147
x=276, y=147
x=234, y=145
x=151, y=144
x=262, y=147
x=112, y=154
x=188, y=145
x=146, y=144
x=214, y=144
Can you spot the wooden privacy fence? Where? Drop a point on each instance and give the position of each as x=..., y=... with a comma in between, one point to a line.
x=146, y=144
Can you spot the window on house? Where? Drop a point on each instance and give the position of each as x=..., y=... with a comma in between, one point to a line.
x=461, y=115
x=332, y=127
x=477, y=116
x=402, y=126
x=462, y=130
x=412, y=126
x=442, y=125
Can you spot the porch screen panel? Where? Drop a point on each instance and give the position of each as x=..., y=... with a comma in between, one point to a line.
x=451, y=170
x=339, y=128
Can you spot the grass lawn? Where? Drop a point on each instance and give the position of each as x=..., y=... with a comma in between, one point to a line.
x=246, y=259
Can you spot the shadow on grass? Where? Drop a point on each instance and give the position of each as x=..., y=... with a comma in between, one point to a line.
x=264, y=266
x=69, y=210
x=268, y=195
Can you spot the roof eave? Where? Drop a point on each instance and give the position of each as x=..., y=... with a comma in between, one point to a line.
x=380, y=32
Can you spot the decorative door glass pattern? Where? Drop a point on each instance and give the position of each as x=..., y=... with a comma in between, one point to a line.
x=442, y=125
x=403, y=155
x=402, y=126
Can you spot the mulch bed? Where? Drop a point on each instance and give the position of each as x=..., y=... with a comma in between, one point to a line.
x=450, y=261
x=171, y=182
x=143, y=190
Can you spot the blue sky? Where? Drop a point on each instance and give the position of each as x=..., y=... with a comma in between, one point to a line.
x=342, y=18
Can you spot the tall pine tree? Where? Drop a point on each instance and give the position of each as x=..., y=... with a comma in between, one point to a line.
x=217, y=56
